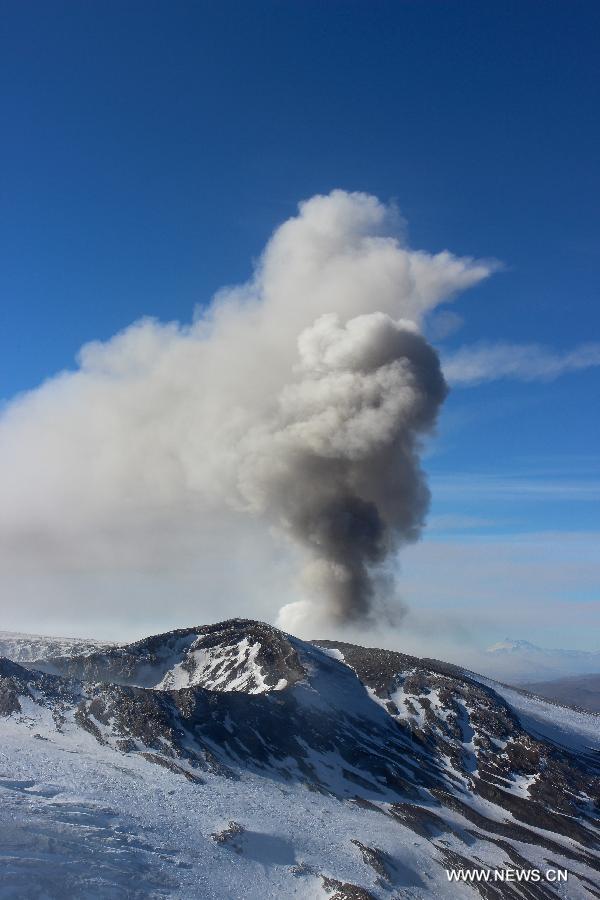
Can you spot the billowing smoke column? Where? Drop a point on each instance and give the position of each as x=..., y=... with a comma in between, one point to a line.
x=338, y=466
x=296, y=402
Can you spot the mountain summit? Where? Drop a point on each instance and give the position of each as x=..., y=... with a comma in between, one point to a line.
x=234, y=760
x=519, y=661
x=510, y=646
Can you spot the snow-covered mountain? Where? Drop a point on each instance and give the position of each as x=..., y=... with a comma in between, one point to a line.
x=520, y=661
x=235, y=761
x=510, y=646
x=211, y=657
x=26, y=647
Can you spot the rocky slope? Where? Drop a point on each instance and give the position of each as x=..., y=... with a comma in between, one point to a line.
x=412, y=766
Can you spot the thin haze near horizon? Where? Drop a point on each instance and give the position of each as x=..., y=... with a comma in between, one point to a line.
x=152, y=152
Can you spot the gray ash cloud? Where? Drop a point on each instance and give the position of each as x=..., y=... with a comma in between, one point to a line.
x=295, y=403
x=338, y=467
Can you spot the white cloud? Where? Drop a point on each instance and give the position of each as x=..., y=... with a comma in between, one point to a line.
x=446, y=522
x=510, y=488
x=472, y=365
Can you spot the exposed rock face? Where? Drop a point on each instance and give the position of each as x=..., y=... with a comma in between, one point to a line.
x=229, y=835
x=420, y=742
x=47, y=690
x=341, y=890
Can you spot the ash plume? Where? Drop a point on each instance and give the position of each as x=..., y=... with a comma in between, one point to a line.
x=339, y=464
x=294, y=404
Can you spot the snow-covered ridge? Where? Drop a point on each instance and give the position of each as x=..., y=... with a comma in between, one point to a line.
x=238, y=655
x=25, y=647
x=563, y=725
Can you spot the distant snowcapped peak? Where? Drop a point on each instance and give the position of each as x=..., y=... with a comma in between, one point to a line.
x=509, y=645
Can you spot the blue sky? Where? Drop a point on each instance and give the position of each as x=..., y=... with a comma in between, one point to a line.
x=150, y=149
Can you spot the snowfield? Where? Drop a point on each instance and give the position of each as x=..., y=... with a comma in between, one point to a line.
x=78, y=823
x=234, y=762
